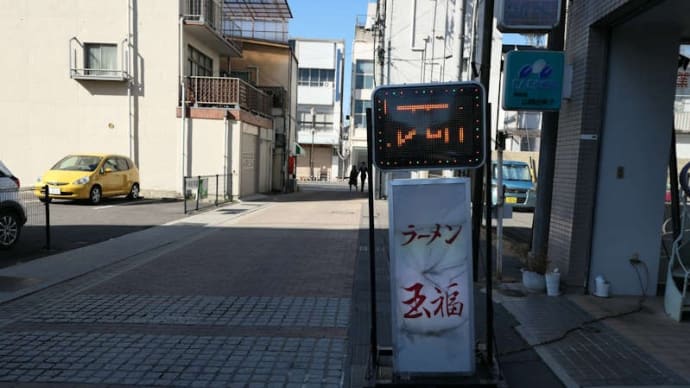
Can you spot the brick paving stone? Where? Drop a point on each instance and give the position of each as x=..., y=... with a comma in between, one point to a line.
x=200, y=310
x=308, y=357
x=593, y=354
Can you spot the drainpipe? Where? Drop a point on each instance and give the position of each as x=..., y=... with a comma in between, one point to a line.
x=226, y=128
x=287, y=120
x=183, y=109
x=129, y=119
x=129, y=83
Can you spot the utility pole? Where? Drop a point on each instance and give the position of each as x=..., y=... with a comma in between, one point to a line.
x=547, y=157
x=477, y=181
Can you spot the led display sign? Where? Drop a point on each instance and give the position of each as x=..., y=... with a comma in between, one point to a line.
x=432, y=126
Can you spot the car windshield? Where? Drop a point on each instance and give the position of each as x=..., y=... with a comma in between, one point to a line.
x=77, y=163
x=515, y=172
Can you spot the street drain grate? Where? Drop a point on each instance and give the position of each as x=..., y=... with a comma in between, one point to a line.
x=11, y=283
x=233, y=211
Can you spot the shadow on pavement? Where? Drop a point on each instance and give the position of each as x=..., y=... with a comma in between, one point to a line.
x=32, y=242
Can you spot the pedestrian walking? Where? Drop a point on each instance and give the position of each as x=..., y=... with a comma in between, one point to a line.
x=363, y=173
x=353, y=177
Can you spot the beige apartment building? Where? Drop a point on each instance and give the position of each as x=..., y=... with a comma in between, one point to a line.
x=106, y=76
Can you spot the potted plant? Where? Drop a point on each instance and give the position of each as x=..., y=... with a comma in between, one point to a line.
x=535, y=267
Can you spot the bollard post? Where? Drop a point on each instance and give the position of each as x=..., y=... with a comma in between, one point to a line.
x=198, y=191
x=216, y=189
x=184, y=193
x=47, y=204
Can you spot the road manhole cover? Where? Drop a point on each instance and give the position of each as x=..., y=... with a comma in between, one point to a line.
x=11, y=283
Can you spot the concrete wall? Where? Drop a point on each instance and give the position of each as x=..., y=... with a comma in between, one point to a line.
x=48, y=114
x=265, y=159
x=634, y=156
x=208, y=146
x=574, y=183
x=272, y=60
x=312, y=95
x=323, y=156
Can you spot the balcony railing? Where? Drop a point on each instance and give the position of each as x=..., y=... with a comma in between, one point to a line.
x=227, y=92
x=278, y=95
x=78, y=70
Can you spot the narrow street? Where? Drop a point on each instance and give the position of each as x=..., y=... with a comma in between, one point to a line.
x=263, y=292
x=263, y=297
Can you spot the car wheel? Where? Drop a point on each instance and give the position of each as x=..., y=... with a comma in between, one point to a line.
x=95, y=195
x=9, y=229
x=44, y=200
x=134, y=192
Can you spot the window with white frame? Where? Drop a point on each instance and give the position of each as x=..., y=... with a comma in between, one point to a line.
x=100, y=59
x=364, y=74
x=199, y=64
x=316, y=77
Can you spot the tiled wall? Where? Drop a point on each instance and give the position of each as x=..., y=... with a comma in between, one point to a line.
x=576, y=161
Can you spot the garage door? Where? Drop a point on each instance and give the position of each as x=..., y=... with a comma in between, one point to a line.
x=249, y=164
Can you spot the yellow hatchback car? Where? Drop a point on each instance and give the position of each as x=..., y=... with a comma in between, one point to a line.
x=91, y=177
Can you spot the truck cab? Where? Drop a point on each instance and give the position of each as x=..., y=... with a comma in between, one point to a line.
x=519, y=185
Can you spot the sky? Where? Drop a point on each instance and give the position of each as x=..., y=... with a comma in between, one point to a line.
x=335, y=19
x=329, y=19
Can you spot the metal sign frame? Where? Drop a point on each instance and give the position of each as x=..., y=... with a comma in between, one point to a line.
x=523, y=15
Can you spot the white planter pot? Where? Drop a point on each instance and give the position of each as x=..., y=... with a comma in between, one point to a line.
x=553, y=282
x=533, y=281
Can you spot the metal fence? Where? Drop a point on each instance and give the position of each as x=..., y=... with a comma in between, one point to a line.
x=37, y=212
x=204, y=191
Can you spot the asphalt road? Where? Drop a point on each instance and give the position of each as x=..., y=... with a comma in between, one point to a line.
x=77, y=224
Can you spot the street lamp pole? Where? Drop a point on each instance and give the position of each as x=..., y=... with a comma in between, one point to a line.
x=311, y=153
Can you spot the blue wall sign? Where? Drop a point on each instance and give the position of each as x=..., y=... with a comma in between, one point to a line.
x=533, y=80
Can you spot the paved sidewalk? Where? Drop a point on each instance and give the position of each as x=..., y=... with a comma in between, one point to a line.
x=583, y=351
x=251, y=294
x=594, y=342
x=572, y=335
x=274, y=292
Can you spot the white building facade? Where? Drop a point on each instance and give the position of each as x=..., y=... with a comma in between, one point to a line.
x=320, y=108
x=118, y=90
x=424, y=41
